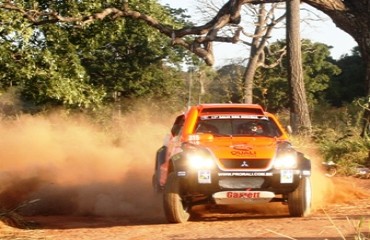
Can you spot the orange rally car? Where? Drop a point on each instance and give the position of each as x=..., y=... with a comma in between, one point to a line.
x=230, y=154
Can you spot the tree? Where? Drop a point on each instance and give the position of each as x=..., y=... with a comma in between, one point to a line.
x=318, y=71
x=228, y=84
x=348, y=85
x=352, y=16
x=266, y=21
x=34, y=62
x=84, y=66
x=271, y=84
x=199, y=87
x=299, y=113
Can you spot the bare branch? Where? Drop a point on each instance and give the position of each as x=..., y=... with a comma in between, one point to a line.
x=282, y=52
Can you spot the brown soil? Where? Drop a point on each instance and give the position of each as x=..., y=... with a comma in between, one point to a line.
x=345, y=217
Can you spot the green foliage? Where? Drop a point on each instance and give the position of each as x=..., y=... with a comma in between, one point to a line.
x=349, y=84
x=336, y=132
x=227, y=86
x=82, y=67
x=318, y=69
x=41, y=63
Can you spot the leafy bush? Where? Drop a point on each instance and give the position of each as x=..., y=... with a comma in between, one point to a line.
x=337, y=132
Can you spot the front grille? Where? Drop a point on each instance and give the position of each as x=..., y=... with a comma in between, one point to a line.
x=245, y=164
x=241, y=183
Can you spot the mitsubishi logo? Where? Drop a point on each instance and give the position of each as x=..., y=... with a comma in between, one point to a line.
x=244, y=164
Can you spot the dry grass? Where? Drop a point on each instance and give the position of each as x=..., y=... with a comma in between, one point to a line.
x=13, y=219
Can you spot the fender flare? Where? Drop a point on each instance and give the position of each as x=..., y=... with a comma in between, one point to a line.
x=160, y=156
x=304, y=163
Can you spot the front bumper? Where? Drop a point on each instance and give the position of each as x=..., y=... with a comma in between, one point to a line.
x=209, y=181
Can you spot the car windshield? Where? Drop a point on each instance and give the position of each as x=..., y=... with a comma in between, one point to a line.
x=258, y=126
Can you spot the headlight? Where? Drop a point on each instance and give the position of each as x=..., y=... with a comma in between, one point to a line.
x=286, y=160
x=200, y=160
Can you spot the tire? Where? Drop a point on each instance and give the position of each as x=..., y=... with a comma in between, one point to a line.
x=299, y=201
x=175, y=209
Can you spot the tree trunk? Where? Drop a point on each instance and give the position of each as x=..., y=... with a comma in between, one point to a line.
x=299, y=114
x=254, y=57
x=248, y=77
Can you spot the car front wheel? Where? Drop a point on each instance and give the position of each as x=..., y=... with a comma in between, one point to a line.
x=299, y=201
x=175, y=208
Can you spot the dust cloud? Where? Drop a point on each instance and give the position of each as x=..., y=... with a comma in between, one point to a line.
x=74, y=167
x=330, y=190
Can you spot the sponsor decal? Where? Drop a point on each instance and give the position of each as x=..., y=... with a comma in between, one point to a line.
x=206, y=117
x=181, y=173
x=242, y=197
x=286, y=176
x=244, y=153
x=204, y=176
x=195, y=139
x=242, y=174
x=247, y=194
x=242, y=147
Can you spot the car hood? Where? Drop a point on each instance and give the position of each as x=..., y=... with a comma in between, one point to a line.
x=243, y=147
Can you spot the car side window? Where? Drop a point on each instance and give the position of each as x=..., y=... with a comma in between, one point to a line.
x=274, y=129
x=206, y=128
x=177, y=125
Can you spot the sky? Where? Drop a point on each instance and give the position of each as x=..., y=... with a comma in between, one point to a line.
x=318, y=31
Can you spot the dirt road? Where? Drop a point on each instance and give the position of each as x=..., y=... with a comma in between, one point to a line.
x=346, y=217
x=94, y=185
